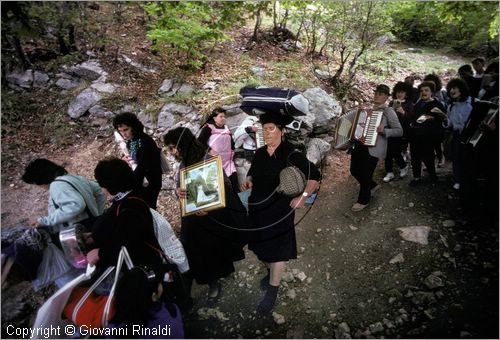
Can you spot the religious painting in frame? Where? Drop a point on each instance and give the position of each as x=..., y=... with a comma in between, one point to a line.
x=204, y=185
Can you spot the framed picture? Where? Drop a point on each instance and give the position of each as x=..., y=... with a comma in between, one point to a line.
x=204, y=184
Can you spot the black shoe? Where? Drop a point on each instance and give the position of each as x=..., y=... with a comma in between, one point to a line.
x=267, y=304
x=212, y=300
x=414, y=182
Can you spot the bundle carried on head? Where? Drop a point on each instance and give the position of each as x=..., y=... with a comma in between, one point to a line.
x=273, y=99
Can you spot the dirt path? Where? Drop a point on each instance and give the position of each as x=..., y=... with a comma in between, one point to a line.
x=343, y=284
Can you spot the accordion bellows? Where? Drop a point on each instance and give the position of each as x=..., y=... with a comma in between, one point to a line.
x=292, y=182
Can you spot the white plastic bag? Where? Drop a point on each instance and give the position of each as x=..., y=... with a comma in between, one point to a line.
x=50, y=312
x=54, y=264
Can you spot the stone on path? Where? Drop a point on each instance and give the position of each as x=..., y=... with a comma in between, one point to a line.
x=417, y=234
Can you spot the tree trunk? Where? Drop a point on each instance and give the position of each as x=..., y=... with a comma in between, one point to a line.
x=14, y=41
x=257, y=25
x=275, y=24
x=298, y=31
x=71, y=38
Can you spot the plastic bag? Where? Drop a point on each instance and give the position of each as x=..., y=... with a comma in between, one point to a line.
x=54, y=264
x=49, y=315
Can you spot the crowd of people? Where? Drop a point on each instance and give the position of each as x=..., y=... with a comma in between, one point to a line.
x=419, y=125
x=428, y=124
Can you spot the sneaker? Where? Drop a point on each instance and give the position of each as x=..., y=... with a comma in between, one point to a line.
x=389, y=177
x=414, y=182
x=456, y=186
x=358, y=207
x=403, y=172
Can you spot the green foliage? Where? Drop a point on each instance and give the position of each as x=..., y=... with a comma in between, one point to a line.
x=289, y=72
x=470, y=27
x=189, y=29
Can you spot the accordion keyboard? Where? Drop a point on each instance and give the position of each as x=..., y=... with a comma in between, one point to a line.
x=259, y=136
x=373, y=121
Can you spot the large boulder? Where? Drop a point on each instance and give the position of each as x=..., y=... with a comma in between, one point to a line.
x=104, y=87
x=84, y=101
x=90, y=70
x=323, y=109
x=40, y=79
x=24, y=79
x=146, y=120
x=171, y=113
x=67, y=83
x=166, y=86
x=317, y=149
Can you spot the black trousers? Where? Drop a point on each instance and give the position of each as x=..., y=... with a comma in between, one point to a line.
x=422, y=150
x=394, y=148
x=362, y=167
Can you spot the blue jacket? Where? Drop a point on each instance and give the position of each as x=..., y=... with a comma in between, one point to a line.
x=458, y=113
x=67, y=206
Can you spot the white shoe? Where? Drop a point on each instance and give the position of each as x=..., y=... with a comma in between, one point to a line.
x=456, y=186
x=403, y=172
x=389, y=177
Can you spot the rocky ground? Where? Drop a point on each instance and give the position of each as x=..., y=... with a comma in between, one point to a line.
x=356, y=275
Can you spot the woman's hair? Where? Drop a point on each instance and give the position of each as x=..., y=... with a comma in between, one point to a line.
x=190, y=149
x=465, y=68
x=435, y=79
x=129, y=119
x=402, y=86
x=42, y=171
x=215, y=112
x=133, y=298
x=492, y=67
x=429, y=84
x=461, y=85
x=478, y=60
x=115, y=175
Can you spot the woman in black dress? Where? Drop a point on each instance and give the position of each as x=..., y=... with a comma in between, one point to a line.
x=209, y=238
x=144, y=152
x=128, y=222
x=425, y=132
x=271, y=213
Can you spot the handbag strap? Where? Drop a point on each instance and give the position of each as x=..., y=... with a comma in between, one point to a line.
x=122, y=257
x=85, y=296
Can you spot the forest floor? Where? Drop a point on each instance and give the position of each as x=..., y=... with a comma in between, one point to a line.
x=355, y=276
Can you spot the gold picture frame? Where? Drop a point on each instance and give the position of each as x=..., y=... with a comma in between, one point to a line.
x=204, y=185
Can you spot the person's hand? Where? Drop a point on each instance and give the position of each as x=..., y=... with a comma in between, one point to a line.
x=381, y=129
x=93, y=256
x=298, y=202
x=34, y=223
x=400, y=110
x=201, y=213
x=181, y=193
x=488, y=127
x=128, y=159
x=246, y=185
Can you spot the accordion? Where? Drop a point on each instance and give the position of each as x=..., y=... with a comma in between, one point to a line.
x=259, y=136
x=357, y=125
